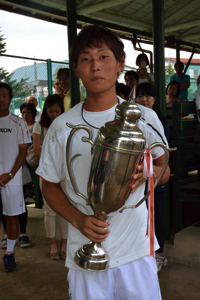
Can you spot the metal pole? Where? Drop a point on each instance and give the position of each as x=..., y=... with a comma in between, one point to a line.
x=13, y=106
x=159, y=73
x=72, y=32
x=49, y=76
x=40, y=102
x=189, y=60
x=159, y=60
x=177, y=51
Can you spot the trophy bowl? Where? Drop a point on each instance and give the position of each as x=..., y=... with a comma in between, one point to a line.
x=117, y=150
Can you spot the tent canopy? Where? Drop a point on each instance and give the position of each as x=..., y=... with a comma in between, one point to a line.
x=127, y=17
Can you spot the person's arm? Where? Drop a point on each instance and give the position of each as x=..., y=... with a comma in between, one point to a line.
x=5, y=178
x=157, y=168
x=93, y=228
x=158, y=165
x=149, y=78
x=185, y=85
x=37, y=145
x=144, y=72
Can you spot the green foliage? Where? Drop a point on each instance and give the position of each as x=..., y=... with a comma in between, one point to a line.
x=18, y=87
x=2, y=43
x=5, y=76
x=169, y=70
x=191, y=93
x=56, y=70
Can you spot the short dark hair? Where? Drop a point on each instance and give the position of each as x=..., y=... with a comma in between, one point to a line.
x=132, y=73
x=94, y=35
x=63, y=70
x=179, y=63
x=146, y=88
x=140, y=57
x=50, y=100
x=174, y=82
x=31, y=107
x=6, y=86
x=123, y=89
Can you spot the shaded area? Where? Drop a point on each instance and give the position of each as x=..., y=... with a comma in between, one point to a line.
x=39, y=278
x=180, y=282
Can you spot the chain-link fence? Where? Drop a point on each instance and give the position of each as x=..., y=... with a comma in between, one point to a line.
x=31, y=76
x=28, y=76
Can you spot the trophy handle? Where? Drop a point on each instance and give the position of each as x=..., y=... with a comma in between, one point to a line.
x=166, y=149
x=69, y=160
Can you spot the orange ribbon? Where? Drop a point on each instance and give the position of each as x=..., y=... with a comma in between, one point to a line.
x=148, y=173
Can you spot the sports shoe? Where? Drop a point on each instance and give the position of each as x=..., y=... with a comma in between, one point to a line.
x=4, y=243
x=9, y=262
x=24, y=241
x=161, y=260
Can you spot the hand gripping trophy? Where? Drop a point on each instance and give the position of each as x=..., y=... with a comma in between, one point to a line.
x=117, y=150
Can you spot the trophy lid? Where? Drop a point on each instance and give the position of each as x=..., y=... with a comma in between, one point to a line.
x=122, y=134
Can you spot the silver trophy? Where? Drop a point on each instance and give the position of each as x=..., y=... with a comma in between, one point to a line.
x=117, y=150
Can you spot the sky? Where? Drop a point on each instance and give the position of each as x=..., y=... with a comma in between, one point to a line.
x=29, y=37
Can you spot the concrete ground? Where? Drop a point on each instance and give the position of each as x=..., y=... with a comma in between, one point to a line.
x=38, y=277
x=180, y=282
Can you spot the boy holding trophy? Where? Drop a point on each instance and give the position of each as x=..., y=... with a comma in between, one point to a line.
x=98, y=56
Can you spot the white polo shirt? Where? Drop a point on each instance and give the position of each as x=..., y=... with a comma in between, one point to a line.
x=127, y=240
x=13, y=132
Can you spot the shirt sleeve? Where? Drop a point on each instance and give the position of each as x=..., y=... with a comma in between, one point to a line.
x=188, y=78
x=37, y=128
x=52, y=160
x=165, y=124
x=23, y=134
x=152, y=138
x=153, y=131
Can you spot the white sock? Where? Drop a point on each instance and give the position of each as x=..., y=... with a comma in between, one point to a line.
x=5, y=236
x=10, y=245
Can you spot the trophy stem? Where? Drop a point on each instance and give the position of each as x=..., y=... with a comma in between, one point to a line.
x=92, y=257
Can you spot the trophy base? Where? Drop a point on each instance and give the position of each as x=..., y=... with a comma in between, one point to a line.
x=92, y=257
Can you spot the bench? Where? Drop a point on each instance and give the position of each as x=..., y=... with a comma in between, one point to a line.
x=185, y=161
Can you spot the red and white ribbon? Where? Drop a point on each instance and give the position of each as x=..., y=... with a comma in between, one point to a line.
x=148, y=173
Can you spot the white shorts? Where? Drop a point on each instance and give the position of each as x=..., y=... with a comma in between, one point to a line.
x=12, y=200
x=137, y=280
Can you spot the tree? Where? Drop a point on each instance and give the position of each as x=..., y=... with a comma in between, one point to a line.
x=191, y=93
x=6, y=77
x=169, y=70
x=56, y=70
x=18, y=87
x=2, y=43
